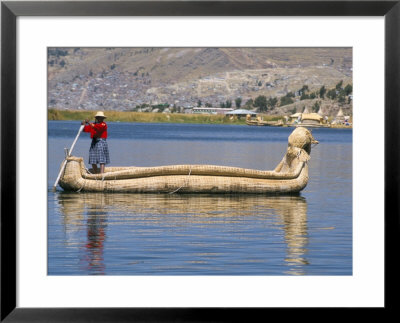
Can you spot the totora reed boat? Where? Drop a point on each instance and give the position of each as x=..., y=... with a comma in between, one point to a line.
x=290, y=176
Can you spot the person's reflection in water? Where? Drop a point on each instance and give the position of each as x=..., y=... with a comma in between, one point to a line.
x=86, y=212
x=96, y=225
x=96, y=235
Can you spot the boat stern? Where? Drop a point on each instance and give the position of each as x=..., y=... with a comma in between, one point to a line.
x=72, y=180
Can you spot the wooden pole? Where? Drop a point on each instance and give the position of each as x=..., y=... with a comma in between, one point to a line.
x=65, y=161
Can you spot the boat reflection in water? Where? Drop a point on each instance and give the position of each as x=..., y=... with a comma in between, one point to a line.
x=163, y=234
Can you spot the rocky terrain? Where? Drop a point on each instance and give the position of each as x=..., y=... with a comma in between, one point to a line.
x=132, y=78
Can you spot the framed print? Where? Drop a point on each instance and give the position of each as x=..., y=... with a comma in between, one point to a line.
x=104, y=252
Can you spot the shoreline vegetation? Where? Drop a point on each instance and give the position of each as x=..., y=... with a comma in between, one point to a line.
x=150, y=117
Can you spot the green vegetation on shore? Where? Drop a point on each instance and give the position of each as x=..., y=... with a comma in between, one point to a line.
x=149, y=117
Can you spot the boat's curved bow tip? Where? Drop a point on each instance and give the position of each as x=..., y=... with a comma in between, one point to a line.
x=302, y=138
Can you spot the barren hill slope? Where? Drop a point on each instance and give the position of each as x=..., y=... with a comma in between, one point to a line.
x=122, y=78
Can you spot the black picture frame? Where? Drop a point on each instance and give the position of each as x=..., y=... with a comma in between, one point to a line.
x=10, y=10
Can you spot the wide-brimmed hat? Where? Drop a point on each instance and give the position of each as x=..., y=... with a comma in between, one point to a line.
x=100, y=114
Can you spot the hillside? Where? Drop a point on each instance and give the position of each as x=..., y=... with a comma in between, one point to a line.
x=124, y=78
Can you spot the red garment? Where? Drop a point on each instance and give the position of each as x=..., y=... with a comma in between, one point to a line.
x=97, y=130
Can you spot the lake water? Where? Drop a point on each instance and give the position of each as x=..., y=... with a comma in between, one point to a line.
x=177, y=234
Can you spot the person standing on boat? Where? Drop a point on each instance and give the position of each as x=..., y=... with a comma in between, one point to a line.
x=98, y=152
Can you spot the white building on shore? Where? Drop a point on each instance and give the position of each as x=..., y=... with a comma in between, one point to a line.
x=210, y=110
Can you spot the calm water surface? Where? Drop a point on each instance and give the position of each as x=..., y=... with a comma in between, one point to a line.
x=176, y=234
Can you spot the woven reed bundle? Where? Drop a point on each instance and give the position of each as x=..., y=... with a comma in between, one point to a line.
x=301, y=138
x=206, y=170
x=182, y=183
x=291, y=175
x=311, y=116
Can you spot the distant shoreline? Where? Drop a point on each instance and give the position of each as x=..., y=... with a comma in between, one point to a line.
x=150, y=117
x=147, y=117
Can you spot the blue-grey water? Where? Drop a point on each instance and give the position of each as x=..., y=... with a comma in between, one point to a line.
x=177, y=234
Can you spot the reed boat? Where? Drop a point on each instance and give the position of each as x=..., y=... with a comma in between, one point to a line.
x=252, y=122
x=265, y=123
x=289, y=176
x=313, y=125
x=312, y=120
x=260, y=122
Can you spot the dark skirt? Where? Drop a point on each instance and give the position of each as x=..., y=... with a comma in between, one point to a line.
x=98, y=152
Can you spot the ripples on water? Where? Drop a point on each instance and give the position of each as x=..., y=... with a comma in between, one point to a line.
x=173, y=234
